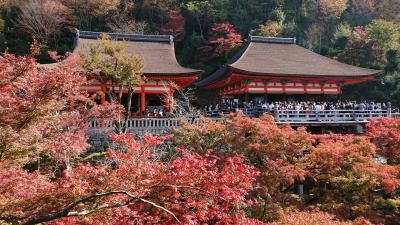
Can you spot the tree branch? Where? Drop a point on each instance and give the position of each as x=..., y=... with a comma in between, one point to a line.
x=67, y=212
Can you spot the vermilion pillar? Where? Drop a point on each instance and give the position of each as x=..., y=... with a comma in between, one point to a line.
x=142, y=99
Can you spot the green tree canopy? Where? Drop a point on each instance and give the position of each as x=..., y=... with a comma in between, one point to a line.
x=386, y=32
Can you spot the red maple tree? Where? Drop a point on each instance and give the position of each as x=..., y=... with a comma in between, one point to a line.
x=43, y=113
x=223, y=38
x=339, y=170
x=215, y=173
x=135, y=186
x=385, y=134
x=45, y=178
x=175, y=25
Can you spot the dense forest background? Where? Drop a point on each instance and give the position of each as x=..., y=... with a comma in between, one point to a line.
x=208, y=32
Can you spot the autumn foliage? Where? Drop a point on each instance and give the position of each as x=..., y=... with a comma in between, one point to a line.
x=223, y=38
x=359, y=49
x=338, y=171
x=235, y=171
x=175, y=25
x=43, y=137
x=334, y=8
x=33, y=113
x=136, y=187
x=42, y=19
x=295, y=217
x=385, y=133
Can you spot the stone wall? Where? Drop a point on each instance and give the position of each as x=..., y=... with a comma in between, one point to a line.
x=99, y=140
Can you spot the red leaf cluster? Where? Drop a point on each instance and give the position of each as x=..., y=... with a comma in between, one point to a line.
x=196, y=188
x=295, y=217
x=223, y=38
x=341, y=163
x=340, y=171
x=215, y=173
x=175, y=25
x=385, y=134
x=360, y=31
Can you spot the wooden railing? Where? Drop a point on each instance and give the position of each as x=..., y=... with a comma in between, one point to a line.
x=329, y=115
x=163, y=125
x=148, y=125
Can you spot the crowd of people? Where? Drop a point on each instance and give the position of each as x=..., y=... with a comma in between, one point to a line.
x=272, y=107
x=321, y=106
x=299, y=106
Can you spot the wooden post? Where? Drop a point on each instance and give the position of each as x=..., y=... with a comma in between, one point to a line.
x=284, y=82
x=142, y=100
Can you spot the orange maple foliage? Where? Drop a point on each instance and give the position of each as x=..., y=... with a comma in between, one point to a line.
x=339, y=171
x=385, y=134
x=43, y=177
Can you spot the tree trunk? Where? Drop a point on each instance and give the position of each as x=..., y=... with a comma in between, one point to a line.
x=200, y=27
x=128, y=111
x=117, y=123
x=120, y=94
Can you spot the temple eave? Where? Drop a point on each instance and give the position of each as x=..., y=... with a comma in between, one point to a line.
x=236, y=77
x=266, y=75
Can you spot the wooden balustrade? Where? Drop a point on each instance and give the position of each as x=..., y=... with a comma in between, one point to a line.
x=329, y=115
x=147, y=125
x=163, y=125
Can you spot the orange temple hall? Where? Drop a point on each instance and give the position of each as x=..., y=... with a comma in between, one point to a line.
x=278, y=66
x=161, y=69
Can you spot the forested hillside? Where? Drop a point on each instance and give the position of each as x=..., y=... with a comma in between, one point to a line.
x=207, y=32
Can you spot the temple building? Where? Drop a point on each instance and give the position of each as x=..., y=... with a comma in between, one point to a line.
x=161, y=69
x=277, y=69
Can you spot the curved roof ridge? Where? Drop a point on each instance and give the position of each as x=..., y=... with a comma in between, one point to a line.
x=126, y=37
x=277, y=40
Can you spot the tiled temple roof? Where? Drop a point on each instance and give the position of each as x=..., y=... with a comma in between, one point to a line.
x=266, y=56
x=158, y=51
